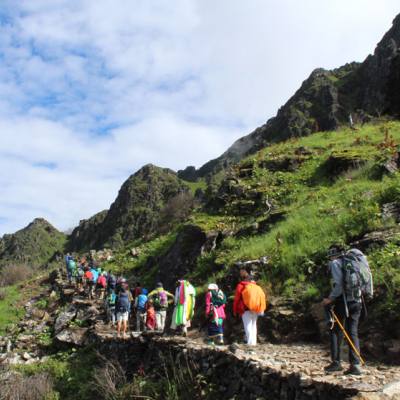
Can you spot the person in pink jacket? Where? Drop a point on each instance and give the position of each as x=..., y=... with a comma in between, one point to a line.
x=215, y=313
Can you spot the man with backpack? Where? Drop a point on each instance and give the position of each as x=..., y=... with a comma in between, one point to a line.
x=351, y=281
x=249, y=303
x=141, y=310
x=160, y=302
x=123, y=308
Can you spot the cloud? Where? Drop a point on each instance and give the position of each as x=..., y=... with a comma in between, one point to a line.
x=90, y=91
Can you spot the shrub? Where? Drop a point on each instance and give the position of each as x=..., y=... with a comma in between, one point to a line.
x=17, y=386
x=3, y=293
x=177, y=210
x=12, y=274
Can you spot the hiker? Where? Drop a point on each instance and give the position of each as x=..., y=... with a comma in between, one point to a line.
x=110, y=304
x=68, y=257
x=123, y=305
x=150, y=316
x=185, y=299
x=160, y=300
x=350, y=281
x=137, y=290
x=141, y=311
x=101, y=285
x=87, y=281
x=111, y=282
x=93, y=282
x=215, y=313
x=71, y=268
x=249, y=303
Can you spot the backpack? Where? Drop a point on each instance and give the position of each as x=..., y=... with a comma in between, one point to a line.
x=71, y=265
x=357, y=276
x=141, y=303
x=111, y=299
x=112, y=281
x=218, y=298
x=102, y=281
x=161, y=300
x=89, y=275
x=124, y=304
x=254, y=298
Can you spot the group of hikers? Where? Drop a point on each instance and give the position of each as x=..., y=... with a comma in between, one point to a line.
x=351, y=284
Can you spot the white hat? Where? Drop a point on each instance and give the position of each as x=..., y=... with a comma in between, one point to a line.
x=212, y=286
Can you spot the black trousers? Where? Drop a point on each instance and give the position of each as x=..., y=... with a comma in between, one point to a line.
x=351, y=325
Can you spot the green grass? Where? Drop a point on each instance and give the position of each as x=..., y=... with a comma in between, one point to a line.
x=9, y=312
x=194, y=186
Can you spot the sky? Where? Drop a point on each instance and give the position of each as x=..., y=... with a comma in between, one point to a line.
x=90, y=91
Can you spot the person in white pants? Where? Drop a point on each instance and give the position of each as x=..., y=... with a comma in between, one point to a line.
x=249, y=319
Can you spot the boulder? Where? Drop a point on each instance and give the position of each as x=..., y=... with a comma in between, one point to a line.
x=64, y=318
x=74, y=336
x=87, y=314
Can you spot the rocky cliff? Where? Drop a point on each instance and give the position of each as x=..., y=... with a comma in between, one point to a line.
x=134, y=213
x=325, y=100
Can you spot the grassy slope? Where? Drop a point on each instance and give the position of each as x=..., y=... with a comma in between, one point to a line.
x=320, y=209
x=9, y=313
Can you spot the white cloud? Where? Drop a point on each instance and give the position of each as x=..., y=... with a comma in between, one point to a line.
x=97, y=89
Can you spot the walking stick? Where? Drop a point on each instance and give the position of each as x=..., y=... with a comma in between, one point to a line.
x=348, y=337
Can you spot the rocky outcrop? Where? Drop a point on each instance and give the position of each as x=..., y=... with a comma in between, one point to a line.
x=181, y=258
x=325, y=100
x=135, y=212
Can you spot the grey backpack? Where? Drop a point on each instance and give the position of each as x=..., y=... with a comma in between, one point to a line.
x=357, y=276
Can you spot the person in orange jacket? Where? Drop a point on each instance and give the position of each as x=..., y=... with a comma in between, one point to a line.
x=249, y=318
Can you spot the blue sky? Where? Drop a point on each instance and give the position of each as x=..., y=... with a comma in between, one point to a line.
x=92, y=90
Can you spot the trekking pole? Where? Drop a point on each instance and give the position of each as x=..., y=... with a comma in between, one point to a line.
x=348, y=337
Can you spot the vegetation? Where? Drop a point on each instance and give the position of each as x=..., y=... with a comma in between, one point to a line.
x=36, y=245
x=328, y=188
x=9, y=311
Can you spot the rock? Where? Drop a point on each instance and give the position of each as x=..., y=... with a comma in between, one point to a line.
x=64, y=318
x=26, y=356
x=87, y=314
x=392, y=389
x=391, y=211
x=75, y=336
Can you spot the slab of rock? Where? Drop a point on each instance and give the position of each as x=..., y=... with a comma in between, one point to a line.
x=75, y=336
x=392, y=389
x=64, y=318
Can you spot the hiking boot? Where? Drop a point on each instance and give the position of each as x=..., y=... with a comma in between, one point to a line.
x=220, y=342
x=333, y=367
x=354, y=370
x=210, y=342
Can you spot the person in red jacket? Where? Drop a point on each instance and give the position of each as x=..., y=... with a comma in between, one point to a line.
x=240, y=310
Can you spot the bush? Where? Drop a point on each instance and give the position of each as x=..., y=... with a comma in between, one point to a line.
x=36, y=387
x=177, y=210
x=12, y=274
x=3, y=293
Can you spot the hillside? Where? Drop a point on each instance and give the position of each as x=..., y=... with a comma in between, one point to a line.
x=36, y=244
x=279, y=210
x=325, y=100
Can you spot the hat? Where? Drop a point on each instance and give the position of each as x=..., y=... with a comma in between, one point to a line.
x=212, y=286
x=159, y=284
